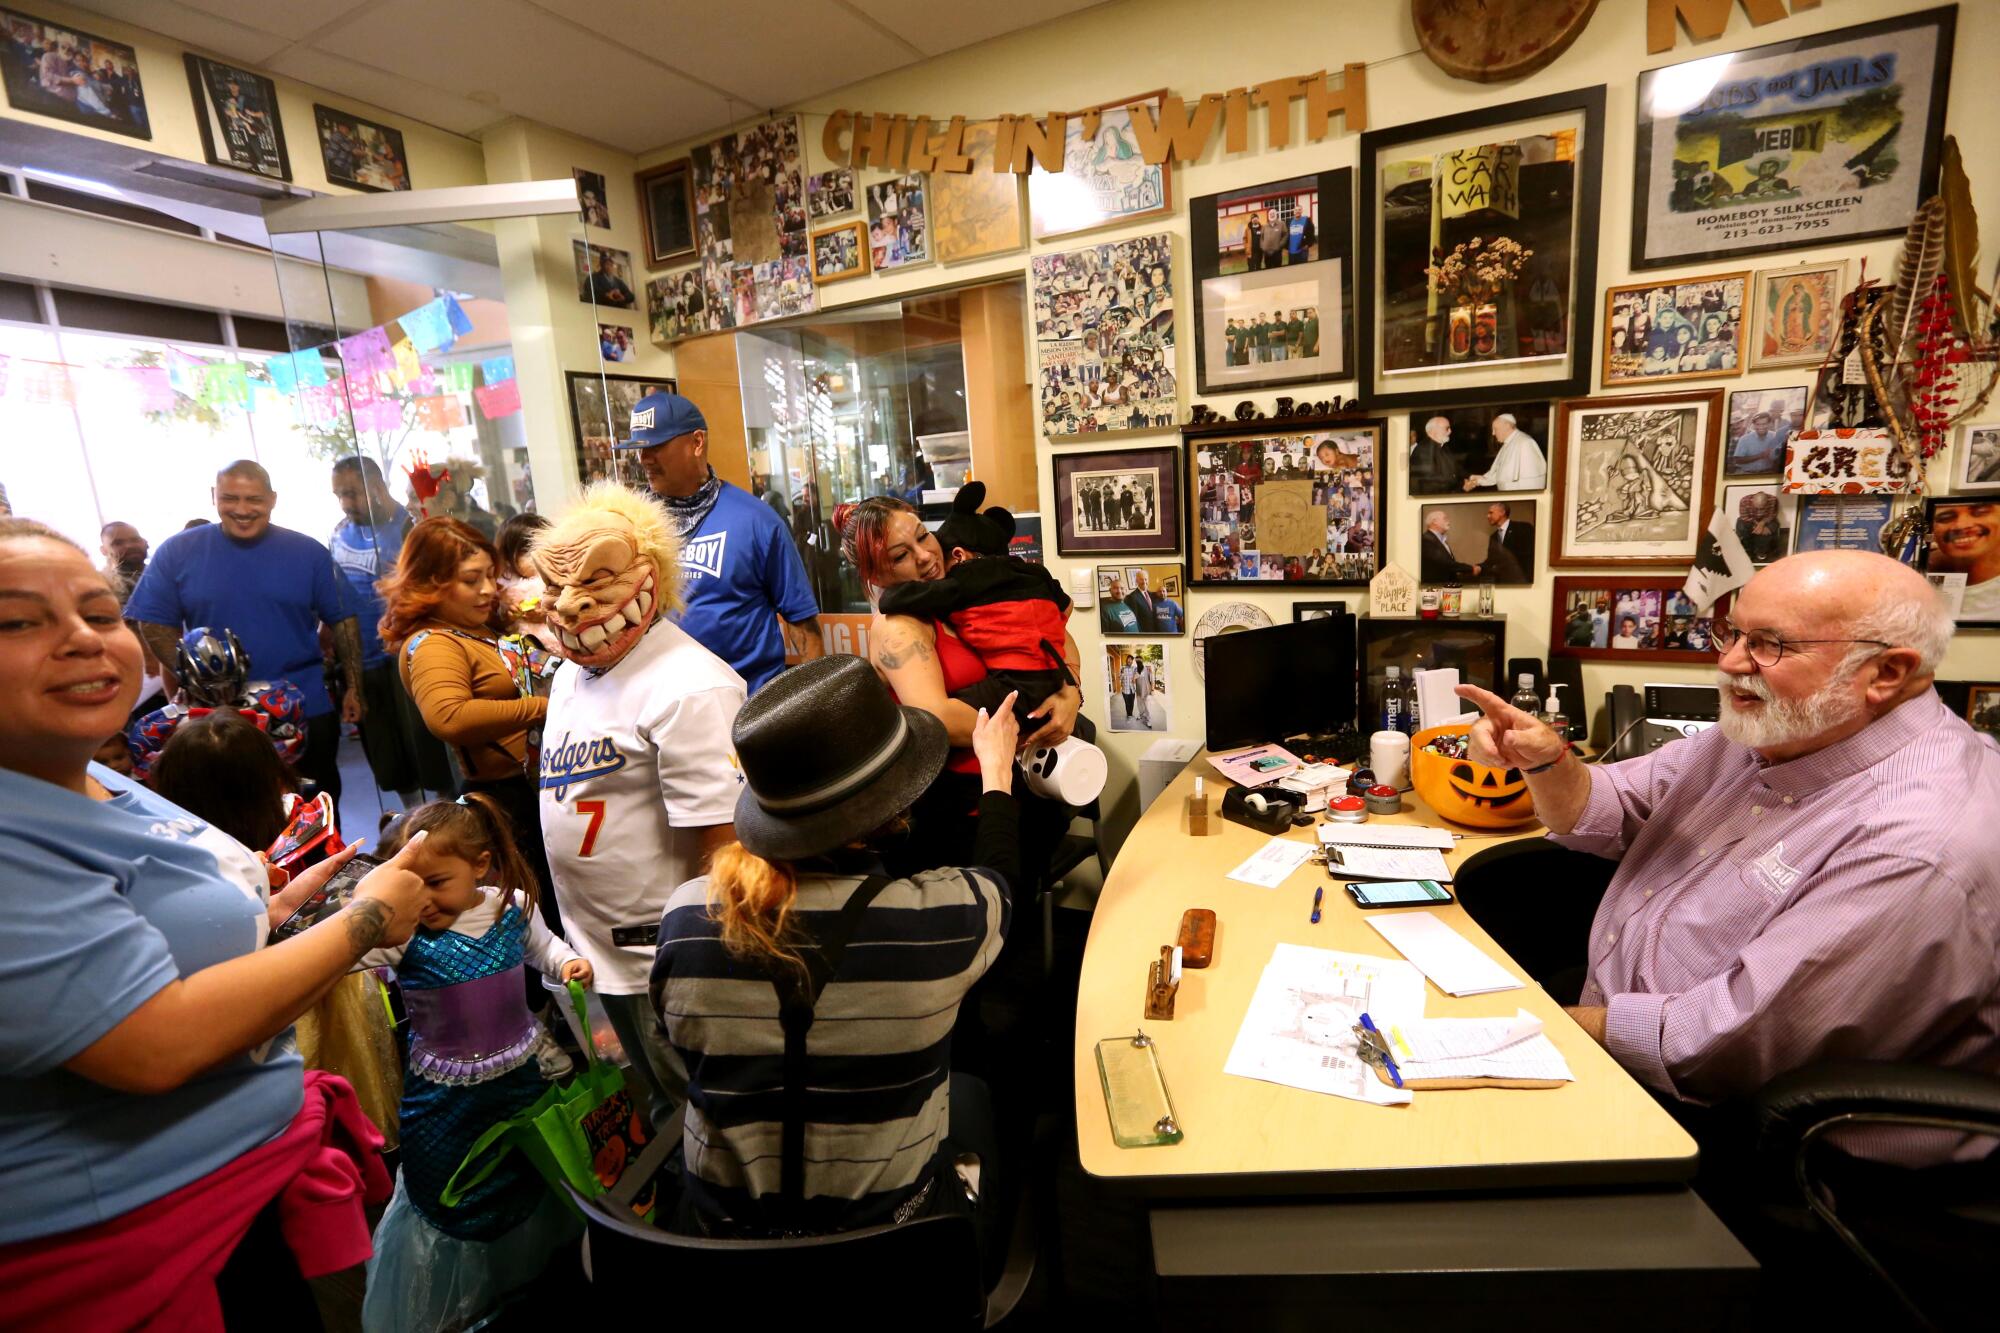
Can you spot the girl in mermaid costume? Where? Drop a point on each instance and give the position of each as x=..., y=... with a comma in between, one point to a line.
x=476, y=1058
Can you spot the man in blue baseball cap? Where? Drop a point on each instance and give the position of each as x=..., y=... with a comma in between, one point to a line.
x=746, y=589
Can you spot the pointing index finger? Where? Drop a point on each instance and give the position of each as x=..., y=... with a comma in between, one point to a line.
x=1485, y=701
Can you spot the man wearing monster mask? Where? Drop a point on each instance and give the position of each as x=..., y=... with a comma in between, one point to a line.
x=638, y=773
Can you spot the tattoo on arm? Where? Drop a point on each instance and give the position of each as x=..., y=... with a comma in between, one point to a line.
x=347, y=650
x=903, y=647
x=367, y=922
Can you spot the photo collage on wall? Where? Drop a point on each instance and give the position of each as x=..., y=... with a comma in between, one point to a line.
x=1104, y=336
x=1302, y=508
x=1685, y=330
x=750, y=225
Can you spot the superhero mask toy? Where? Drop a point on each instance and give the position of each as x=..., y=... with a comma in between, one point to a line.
x=610, y=566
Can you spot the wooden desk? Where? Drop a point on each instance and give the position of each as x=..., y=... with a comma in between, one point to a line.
x=1248, y=1137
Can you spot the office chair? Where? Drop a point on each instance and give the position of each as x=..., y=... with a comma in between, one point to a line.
x=1072, y=851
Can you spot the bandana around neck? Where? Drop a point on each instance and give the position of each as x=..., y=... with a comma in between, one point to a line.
x=686, y=512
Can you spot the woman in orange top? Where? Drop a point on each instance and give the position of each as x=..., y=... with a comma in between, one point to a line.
x=443, y=622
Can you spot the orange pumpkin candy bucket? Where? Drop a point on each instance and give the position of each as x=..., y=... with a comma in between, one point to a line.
x=1465, y=792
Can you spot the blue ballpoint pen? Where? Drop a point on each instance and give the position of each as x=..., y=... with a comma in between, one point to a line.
x=1387, y=1059
x=1318, y=893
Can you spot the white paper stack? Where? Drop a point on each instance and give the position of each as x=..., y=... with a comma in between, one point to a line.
x=1299, y=1030
x=1384, y=835
x=1476, y=1048
x=1455, y=963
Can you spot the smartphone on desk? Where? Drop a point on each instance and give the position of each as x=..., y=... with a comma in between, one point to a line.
x=1398, y=893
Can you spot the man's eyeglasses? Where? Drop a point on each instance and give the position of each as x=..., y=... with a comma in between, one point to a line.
x=1766, y=649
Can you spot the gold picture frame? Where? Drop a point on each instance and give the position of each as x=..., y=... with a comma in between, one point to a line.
x=850, y=260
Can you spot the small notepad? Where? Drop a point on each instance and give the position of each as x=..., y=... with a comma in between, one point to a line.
x=1387, y=863
x=1456, y=964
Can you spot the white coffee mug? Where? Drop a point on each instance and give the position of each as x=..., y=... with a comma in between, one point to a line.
x=1389, y=756
x=1073, y=772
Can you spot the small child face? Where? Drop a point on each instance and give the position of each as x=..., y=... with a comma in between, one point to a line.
x=452, y=885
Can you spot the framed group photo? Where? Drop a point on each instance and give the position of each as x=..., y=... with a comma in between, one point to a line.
x=1499, y=447
x=1273, y=283
x=1683, y=330
x=1134, y=600
x=898, y=223
x=1104, y=178
x=840, y=252
x=1104, y=336
x=237, y=112
x=1293, y=502
x=65, y=73
x=600, y=412
x=1818, y=141
x=1118, y=500
x=1634, y=478
x=1478, y=254
x=1619, y=618
x=359, y=153
x=830, y=193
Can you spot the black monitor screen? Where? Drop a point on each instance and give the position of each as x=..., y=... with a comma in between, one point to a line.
x=1264, y=685
x=1476, y=649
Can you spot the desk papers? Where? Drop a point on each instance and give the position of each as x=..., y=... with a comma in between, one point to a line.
x=1388, y=863
x=1299, y=1030
x=1270, y=864
x=1446, y=957
x=1476, y=1048
x=1255, y=766
x=1384, y=835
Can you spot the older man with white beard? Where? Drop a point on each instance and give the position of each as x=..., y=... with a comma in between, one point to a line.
x=1815, y=878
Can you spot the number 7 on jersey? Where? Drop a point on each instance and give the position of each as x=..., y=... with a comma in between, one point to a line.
x=595, y=809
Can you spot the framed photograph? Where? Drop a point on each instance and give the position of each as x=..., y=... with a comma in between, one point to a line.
x=592, y=199
x=614, y=342
x=1764, y=519
x=603, y=276
x=898, y=223
x=66, y=73
x=1478, y=254
x=1611, y=618
x=1818, y=141
x=238, y=115
x=1273, y=283
x=1135, y=687
x=674, y=305
x=840, y=252
x=1118, y=500
x=1477, y=541
x=666, y=212
x=1962, y=536
x=977, y=214
x=359, y=153
x=1304, y=611
x=600, y=411
x=830, y=193
x=1301, y=506
x=1500, y=447
x=1103, y=180
x=1797, y=315
x=1685, y=330
x=1977, y=467
x=1839, y=523
x=1982, y=708
x=1141, y=599
x=749, y=192
x=1635, y=478
x=1761, y=423
x=1104, y=336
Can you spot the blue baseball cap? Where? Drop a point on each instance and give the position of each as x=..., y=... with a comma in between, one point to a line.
x=659, y=417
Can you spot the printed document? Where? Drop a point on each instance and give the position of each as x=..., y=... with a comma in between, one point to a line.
x=1271, y=863
x=1455, y=963
x=1299, y=1030
x=1514, y=1047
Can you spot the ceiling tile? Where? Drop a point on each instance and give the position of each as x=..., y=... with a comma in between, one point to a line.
x=405, y=97
x=292, y=19
x=245, y=43
x=937, y=26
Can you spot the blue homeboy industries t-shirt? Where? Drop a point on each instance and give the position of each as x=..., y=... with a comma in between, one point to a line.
x=363, y=555
x=275, y=592
x=739, y=573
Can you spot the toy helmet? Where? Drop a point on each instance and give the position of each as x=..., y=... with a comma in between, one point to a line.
x=212, y=665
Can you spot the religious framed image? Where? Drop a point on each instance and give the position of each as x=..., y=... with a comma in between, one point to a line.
x=1499, y=446
x=1103, y=180
x=666, y=212
x=1818, y=141
x=1294, y=501
x=1104, y=336
x=1962, y=536
x=1977, y=465
x=1622, y=618
x=898, y=223
x=840, y=252
x=1797, y=314
x=830, y=193
x=749, y=192
x=977, y=214
x=1304, y=611
x=1982, y=708
x=1761, y=422
x=1135, y=687
x=1634, y=478
x=359, y=153
x=1685, y=330
x=238, y=115
x=674, y=305
x=1141, y=599
x=603, y=276
x=52, y=69
x=1764, y=519
x=600, y=412
x=1477, y=541
x=1273, y=283
x=1839, y=523
x=1478, y=253
x=1118, y=500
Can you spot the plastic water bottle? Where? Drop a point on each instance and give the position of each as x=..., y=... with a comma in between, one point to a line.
x=1525, y=697
x=1395, y=701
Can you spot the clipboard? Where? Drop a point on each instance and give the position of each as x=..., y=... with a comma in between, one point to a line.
x=1428, y=1084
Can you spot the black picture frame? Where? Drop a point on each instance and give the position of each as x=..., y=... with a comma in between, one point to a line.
x=1077, y=538
x=1220, y=460
x=339, y=158
x=1938, y=562
x=1799, y=227
x=1209, y=216
x=236, y=141
x=1304, y=611
x=666, y=212
x=125, y=114
x=1472, y=129
x=596, y=429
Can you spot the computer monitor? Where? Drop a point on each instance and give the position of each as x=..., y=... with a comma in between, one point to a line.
x=1263, y=685
x=1475, y=647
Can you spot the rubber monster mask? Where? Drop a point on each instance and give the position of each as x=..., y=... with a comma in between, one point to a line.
x=610, y=566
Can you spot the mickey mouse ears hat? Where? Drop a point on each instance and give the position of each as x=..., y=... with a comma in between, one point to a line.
x=659, y=417
x=986, y=533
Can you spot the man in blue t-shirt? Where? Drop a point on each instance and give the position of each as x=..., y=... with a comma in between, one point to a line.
x=275, y=588
x=747, y=595
x=365, y=546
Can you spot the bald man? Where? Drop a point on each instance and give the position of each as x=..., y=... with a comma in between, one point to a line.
x=1801, y=882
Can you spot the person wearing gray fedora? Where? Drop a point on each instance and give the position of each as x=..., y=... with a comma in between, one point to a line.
x=795, y=943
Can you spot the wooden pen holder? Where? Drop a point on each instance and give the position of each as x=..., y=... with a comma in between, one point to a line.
x=1199, y=817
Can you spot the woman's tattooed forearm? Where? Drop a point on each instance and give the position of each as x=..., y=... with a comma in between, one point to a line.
x=367, y=922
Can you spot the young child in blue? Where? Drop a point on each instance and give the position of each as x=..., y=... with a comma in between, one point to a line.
x=477, y=1057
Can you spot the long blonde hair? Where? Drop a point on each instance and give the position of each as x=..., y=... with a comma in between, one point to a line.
x=753, y=900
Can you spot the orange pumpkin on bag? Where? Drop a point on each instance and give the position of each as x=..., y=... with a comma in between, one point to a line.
x=1465, y=792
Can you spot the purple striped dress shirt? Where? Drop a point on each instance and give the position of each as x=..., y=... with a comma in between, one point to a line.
x=1764, y=917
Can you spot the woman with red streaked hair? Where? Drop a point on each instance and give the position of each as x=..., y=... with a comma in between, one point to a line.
x=442, y=619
